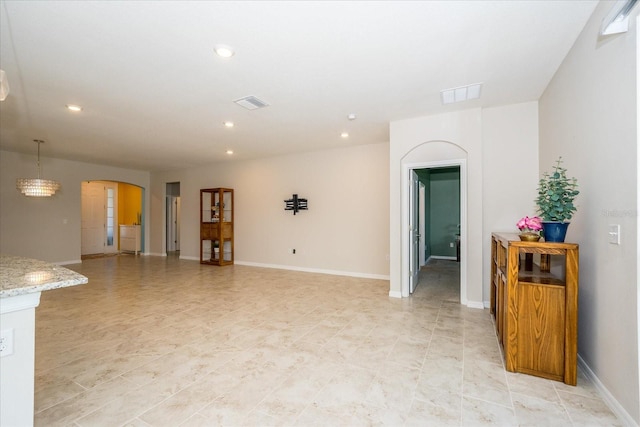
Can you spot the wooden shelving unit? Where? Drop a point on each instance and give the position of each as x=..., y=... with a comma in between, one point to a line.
x=535, y=311
x=216, y=226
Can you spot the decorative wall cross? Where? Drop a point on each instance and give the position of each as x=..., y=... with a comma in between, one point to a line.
x=295, y=204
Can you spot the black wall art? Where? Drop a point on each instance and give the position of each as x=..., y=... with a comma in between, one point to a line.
x=295, y=204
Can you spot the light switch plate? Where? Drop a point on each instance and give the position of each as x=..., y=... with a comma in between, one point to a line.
x=614, y=234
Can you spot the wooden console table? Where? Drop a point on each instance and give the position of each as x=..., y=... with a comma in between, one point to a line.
x=535, y=311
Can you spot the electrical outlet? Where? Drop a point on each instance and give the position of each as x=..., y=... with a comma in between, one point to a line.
x=451, y=244
x=6, y=342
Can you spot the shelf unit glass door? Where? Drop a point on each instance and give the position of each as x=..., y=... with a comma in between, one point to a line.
x=216, y=226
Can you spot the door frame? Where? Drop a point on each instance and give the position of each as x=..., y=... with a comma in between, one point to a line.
x=405, y=217
x=172, y=189
x=414, y=231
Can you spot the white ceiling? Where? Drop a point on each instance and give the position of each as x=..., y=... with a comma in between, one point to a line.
x=155, y=95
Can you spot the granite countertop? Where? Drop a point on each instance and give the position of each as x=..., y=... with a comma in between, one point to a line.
x=19, y=276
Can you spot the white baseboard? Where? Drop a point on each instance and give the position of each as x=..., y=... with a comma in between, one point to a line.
x=395, y=294
x=75, y=261
x=487, y=304
x=155, y=254
x=608, y=398
x=475, y=304
x=450, y=258
x=314, y=270
x=289, y=267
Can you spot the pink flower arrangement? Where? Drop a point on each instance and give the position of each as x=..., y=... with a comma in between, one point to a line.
x=527, y=224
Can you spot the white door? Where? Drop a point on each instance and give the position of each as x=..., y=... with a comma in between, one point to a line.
x=93, y=218
x=414, y=233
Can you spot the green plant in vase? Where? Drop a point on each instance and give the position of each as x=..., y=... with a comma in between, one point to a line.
x=556, y=193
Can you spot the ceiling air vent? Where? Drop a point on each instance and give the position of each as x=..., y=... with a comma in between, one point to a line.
x=251, y=103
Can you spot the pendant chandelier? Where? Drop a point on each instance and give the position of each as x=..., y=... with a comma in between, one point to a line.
x=36, y=187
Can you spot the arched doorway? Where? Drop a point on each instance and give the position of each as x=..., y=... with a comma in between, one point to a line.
x=410, y=254
x=106, y=205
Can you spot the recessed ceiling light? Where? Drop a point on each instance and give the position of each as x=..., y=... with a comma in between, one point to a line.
x=224, y=51
x=459, y=94
x=344, y=135
x=351, y=116
x=75, y=108
x=229, y=152
x=228, y=124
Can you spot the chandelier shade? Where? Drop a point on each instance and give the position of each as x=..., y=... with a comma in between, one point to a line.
x=37, y=187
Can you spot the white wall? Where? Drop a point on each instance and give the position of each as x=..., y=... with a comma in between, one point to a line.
x=49, y=228
x=492, y=141
x=588, y=116
x=509, y=173
x=344, y=231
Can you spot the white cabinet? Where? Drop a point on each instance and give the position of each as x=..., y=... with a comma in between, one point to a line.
x=130, y=238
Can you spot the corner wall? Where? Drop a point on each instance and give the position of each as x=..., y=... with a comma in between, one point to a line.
x=493, y=141
x=588, y=115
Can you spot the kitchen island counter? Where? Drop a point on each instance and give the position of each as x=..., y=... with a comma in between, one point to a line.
x=21, y=282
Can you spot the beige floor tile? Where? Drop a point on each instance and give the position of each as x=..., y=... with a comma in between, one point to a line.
x=587, y=411
x=52, y=388
x=347, y=388
x=153, y=341
x=440, y=374
x=188, y=401
x=65, y=412
x=393, y=391
x=486, y=381
x=126, y=406
x=531, y=386
x=136, y=422
x=481, y=413
x=442, y=411
x=449, y=347
x=534, y=412
x=292, y=396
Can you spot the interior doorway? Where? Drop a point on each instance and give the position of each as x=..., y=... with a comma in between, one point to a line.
x=437, y=231
x=104, y=206
x=99, y=218
x=172, y=220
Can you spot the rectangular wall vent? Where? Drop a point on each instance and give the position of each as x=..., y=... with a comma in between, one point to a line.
x=251, y=103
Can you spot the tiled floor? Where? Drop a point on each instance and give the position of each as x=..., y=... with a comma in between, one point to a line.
x=156, y=341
